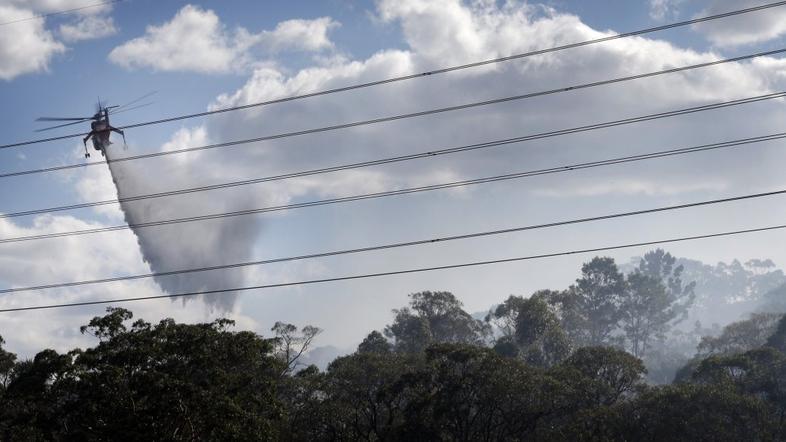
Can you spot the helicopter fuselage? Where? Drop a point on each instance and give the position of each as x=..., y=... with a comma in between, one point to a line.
x=101, y=131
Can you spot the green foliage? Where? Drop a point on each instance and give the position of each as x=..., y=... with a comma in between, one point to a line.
x=470, y=393
x=530, y=330
x=647, y=311
x=663, y=266
x=601, y=375
x=539, y=336
x=741, y=336
x=375, y=342
x=7, y=362
x=688, y=412
x=590, y=309
x=168, y=381
x=290, y=344
x=434, y=317
x=778, y=339
x=435, y=374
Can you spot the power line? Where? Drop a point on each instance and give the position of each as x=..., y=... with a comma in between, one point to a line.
x=396, y=245
x=67, y=11
x=401, y=158
x=518, y=97
x=395, y=272
x=367, y=196
x=604, y=125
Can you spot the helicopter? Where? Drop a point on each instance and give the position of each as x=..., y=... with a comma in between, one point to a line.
x=100, y=128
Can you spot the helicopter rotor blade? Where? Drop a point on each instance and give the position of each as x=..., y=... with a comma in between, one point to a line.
x=137, y=100
x=119, y=111
x=63, y=119
x=63, y=125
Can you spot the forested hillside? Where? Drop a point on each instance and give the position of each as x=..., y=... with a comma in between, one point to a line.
x=583, y=363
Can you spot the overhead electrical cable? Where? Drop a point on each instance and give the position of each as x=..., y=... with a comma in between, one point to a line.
x=389, y=160
x=431, y=153
x=395, y=272
x=433, y=111
x=368, y=196
x=397, y=244
x=67, y=11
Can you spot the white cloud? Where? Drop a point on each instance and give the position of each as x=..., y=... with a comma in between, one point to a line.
x=662, y=9
x=88, y=28
x=303, y=35
x=50, y=6
x=196, y=40
x=755, y=27
x=25, y=47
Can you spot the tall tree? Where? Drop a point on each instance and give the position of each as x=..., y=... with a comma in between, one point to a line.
x=590, y=309
x=291, y=344
x=434, y=317
x=662, y=266
x=539, y=336
x=503, y=316
x=648, y=311
x=374, y=343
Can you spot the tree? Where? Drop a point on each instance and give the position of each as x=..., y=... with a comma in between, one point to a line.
x=465, y=392
x=434, y=317
x=662, y=266
x=689, y=412
x=503, y=316
x=601, y=376
x=741, y=336
x=590, y=309
x=290, y=345
x=148, y=382
x=362, y=396
x=410, y=333
x=648, y=310
x=539, y=336
x=530, y=330
x=7, y=362
x=32, y=406
x=374, y=343
x=759, y=373
x=778, y=339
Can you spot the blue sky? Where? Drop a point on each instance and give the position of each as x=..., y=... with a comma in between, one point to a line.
x=273, y=49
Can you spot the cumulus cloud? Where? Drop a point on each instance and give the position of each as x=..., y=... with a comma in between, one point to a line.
x=303, y=35
x=747, y=29
x=88, y=28
x=26, y=46
x=662, y=9
x=196, y=40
